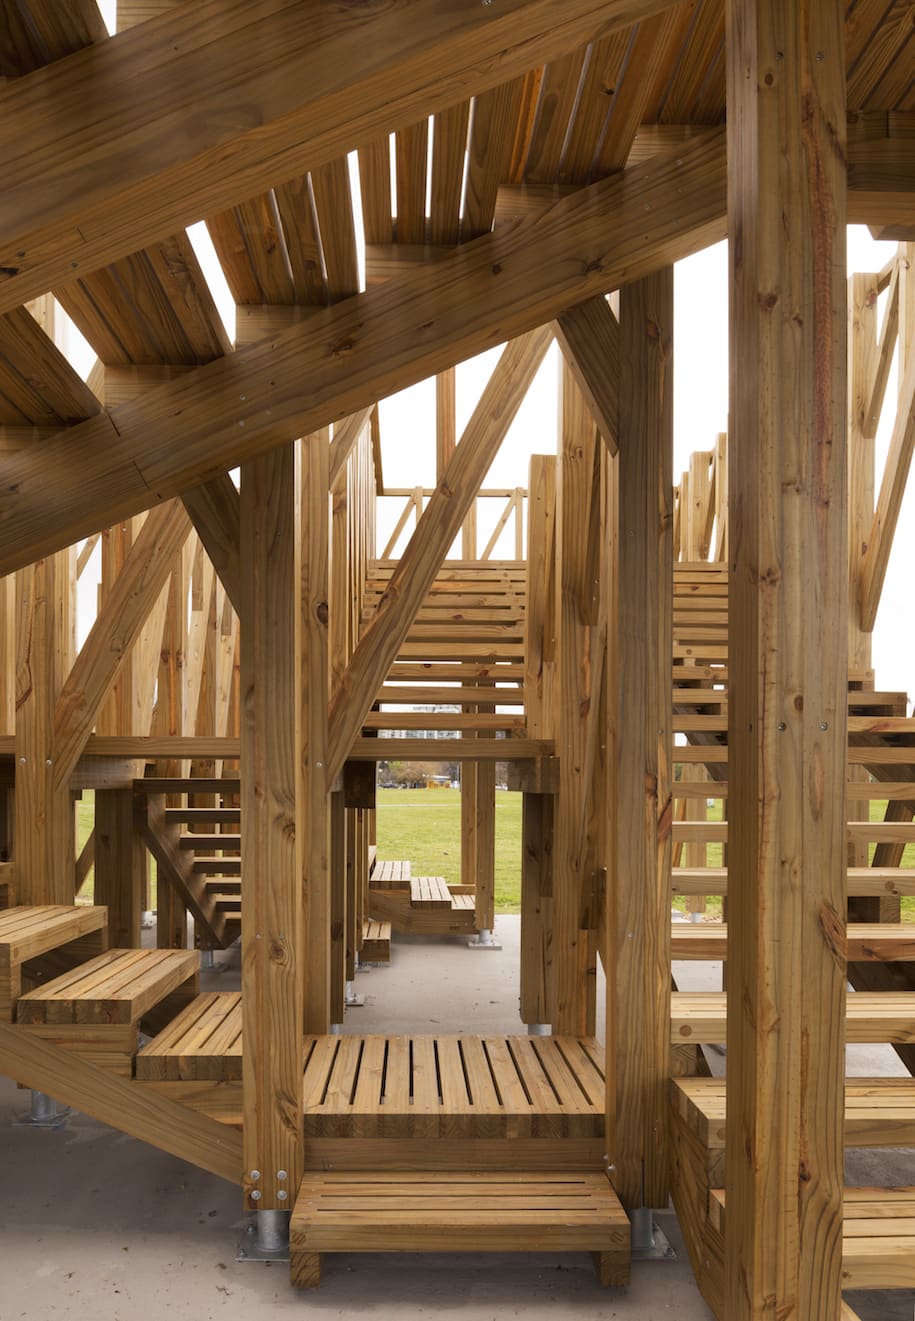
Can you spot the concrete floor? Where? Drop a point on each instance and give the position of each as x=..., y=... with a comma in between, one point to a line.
x=94, y=1225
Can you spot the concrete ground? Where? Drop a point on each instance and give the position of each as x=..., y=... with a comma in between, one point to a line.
x=95, y=1226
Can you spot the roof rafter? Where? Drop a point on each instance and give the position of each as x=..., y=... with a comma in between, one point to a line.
x=215, y=102
x=343, y=358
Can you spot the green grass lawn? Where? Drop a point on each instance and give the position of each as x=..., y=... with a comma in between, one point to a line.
x=423, y=827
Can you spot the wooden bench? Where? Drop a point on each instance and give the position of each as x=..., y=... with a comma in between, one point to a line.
x=376, y=942
x=203, y=1043
x=429, y=892
x=472, y=1211
x=878, y=1236
x=700, y=1017
x=886, y=942
x=27, y=933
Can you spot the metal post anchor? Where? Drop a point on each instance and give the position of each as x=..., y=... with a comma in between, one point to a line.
x=649, y=1242
x=266, y=1238
x=483, y=940
x=539, y=1030
x=44, y=1112
x=350, y=999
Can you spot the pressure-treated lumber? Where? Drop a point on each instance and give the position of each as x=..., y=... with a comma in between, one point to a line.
x=788, y=658
x=589, y=335
x=127, y=1106
x=132, y=597
x=214, y=511
x=362, y=349
x=313, y=82
x=381, y=641
x=272, y=896
x=640, y=797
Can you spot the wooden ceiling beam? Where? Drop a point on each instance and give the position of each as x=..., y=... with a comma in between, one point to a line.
x=343, y=358
x=213, y=103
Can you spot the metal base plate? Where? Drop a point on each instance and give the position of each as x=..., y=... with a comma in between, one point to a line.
x=660, y=1248
x=246, y=1248
x=52, y=1122
x=354, y=1001
x=476, y=943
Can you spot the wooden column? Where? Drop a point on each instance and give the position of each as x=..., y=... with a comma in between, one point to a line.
x=44, y=829
x=638, y=991
x=120, y=866
x=573, y=970
x=788, y=596
x=273, y=954
x=338, y=972
x=313, y=692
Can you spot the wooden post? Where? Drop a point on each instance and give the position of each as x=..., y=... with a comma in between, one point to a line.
x=338, y=972
x=638, y=981
x=572, y=970
x=312, y=692
x=273, y=953
x=120, y=866
x=45, y=819
x=788, y=595
x=536, y=895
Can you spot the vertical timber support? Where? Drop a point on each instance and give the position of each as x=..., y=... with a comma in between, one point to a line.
x=120, y=866
x=45, y=830
x=788, y=594
x=638, y=981
x=572, y=956
x=312, y=696
x=273, y=953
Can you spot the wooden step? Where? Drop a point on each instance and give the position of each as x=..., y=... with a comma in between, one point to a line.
x=188, y=784
x=700, y=1017
x=878, y=1236
x=429, y=892
x=28, y=932
x=376, y=942
x=202, y=1044
x=202, y=841
x=877, y=882
x=472, y=1211
x=120, y=986
x=451, y=1087
x=390, y=872
x=203, y=816
x=879, y=1112
x=216, y=866
x=883, y=942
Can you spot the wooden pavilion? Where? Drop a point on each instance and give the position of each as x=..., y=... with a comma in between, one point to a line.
x=512, y=164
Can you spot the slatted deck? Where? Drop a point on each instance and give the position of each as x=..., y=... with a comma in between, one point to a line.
x=453, y=1086
x=202, y=1044
x=389, y=873
x=472, y=1211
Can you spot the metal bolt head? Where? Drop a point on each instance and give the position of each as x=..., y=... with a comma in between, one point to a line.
x=282, y=1195
x=824, y=724
x=255, y=1174
x=782, y=726
x=281, y=1174
x=256, y=1196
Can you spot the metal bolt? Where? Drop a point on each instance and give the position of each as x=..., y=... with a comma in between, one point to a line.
x=47, y=761
x=782, y=726
x=255, y=1196
x=820, y=55
x=22, y=761
x=824, y=724
x=255, y=1174
x=282, y=1195
x=319, y=765
x=281, y=1174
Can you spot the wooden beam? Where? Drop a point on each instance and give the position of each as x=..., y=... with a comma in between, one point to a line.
x=214, y=510
x=589, y=336
x=189, y=430
x=640, y=806
x=128, y=1106
x=273, y=973
x=134, y=594
x=314, y=81
x=788, y=595
x=431, y=541
x=120, y=860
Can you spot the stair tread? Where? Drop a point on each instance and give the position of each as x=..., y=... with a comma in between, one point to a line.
x=471, y=1211
x=429, y=892
x=202, y=1043
x=119, y=986
x=871, y=1016
x=29, y=930
x=880, y=941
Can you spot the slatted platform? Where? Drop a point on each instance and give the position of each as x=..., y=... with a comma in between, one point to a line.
x=473, y=1211
x=453, y=1086
x=389, y=872
x=203, y=1043
x=27, y=933
x=120, y=986
x=871, y=1016
x=376, y=942
x=878, y=1236
x=429, y=892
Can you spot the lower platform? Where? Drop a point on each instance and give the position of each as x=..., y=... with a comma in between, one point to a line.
x=474, y=1211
